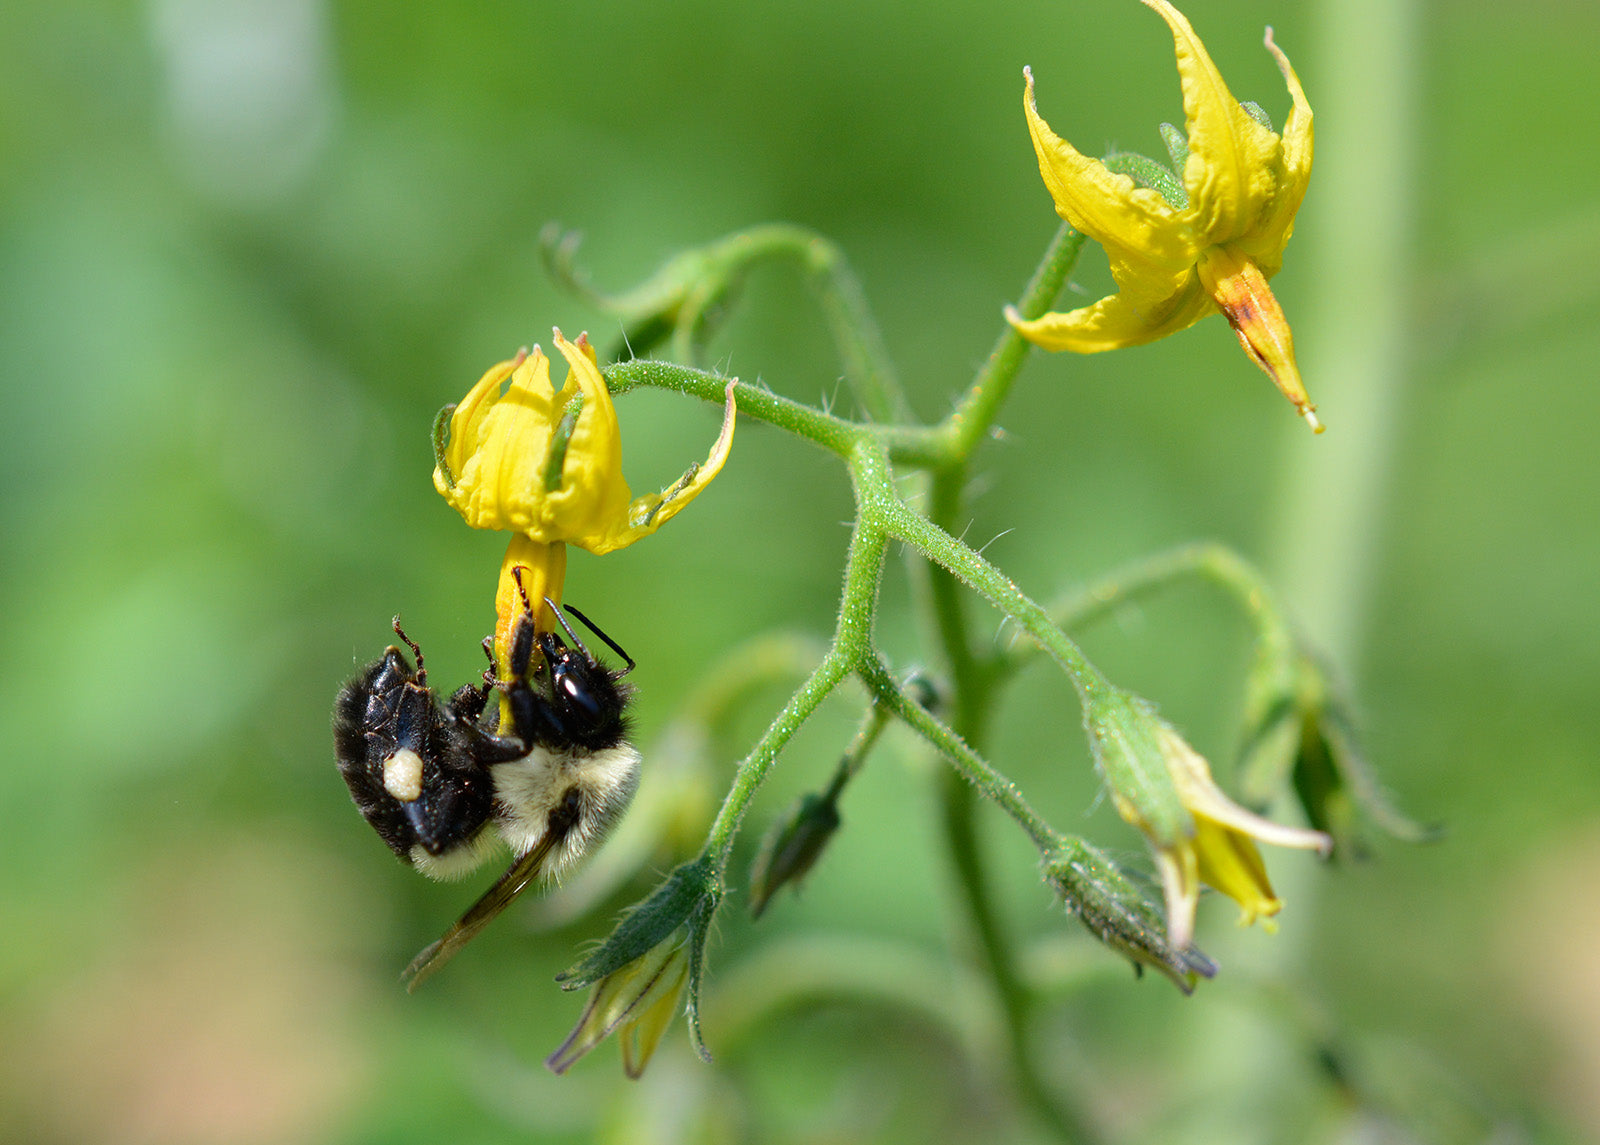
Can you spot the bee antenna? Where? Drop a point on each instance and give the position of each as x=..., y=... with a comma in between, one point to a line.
x=422, y=673
x=571, y=635
x=610, y=643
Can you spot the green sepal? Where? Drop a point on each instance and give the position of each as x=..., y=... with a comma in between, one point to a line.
x=555, y=458
x=678, y=900
x=1299, y=736
x=441, y=434
x=705, y=909
x=1123, y=736
x=1146, y=172
x=1119, y=912
x=1258, y=113
x=684, y=301
x=1177, y=144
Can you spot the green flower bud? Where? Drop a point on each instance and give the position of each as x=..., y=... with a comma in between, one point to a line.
x=1125, y=737
x=791, y=846
x=654, y=957
x=1117, y=912
x=1162, y=786
x=1300, y=735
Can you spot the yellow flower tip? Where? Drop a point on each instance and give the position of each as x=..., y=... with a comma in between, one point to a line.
x=1239, y=288
x=1222, y=851
x=636, y=1002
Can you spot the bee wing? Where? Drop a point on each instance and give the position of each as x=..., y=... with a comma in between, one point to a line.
x=506, y=888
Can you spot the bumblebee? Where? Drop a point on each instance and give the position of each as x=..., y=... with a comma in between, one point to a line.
x=438, y=782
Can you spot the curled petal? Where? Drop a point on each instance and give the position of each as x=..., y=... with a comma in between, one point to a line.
x=584, y=493
x=1265, y=244
x=1135, y=225
x=495, y=438
x=547, y=464
x=1117, y=321
x=648, y=513
x=1230, y=170
x=1191, y=775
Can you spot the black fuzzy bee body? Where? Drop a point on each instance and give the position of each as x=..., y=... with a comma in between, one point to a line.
x=417, y=770
x=433, y=779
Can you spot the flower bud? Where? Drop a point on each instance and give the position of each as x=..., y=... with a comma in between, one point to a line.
x=1162, y=786
x=791, y=846
x=653, y=957
x=1299, y=734
x=1117, y=912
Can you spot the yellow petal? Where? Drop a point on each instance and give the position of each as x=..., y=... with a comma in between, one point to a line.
x=1265, y=244
x=640, y=1039
x=1136, y=225
x=466, y=420
x=590, y=498
x=648, y=513
x=1229, y=172
x=1229, y=862
x=1240, y=291
x=1191, y=775
x=495, y=442
x=1117, y=321
x=1178, y=869
x=623, y=998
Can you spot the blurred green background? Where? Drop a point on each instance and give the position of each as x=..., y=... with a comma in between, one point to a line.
x=248, y=247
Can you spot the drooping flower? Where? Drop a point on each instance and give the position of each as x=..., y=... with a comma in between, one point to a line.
x=1162, y=786
x=1222, y=851
x=546, y=465
x=1213, y=249
x=637, y=1002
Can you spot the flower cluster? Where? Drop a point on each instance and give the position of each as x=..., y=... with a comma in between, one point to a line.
x=551, y=769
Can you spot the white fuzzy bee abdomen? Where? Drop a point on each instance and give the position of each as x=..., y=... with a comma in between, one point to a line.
x=528, y=789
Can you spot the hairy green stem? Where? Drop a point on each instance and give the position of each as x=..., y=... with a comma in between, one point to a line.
x=946, y=450
x=1002, y=592
x=976, y=412
x=867, y=366
x=970, y=766
x=832, y=433
x=973, y=683
x=1208, y=560
x=754, y=767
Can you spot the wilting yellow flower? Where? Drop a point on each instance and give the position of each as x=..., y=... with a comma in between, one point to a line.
x=1221, y=851
x=547, y=465
x=1175, y=264
x=636, y=1002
